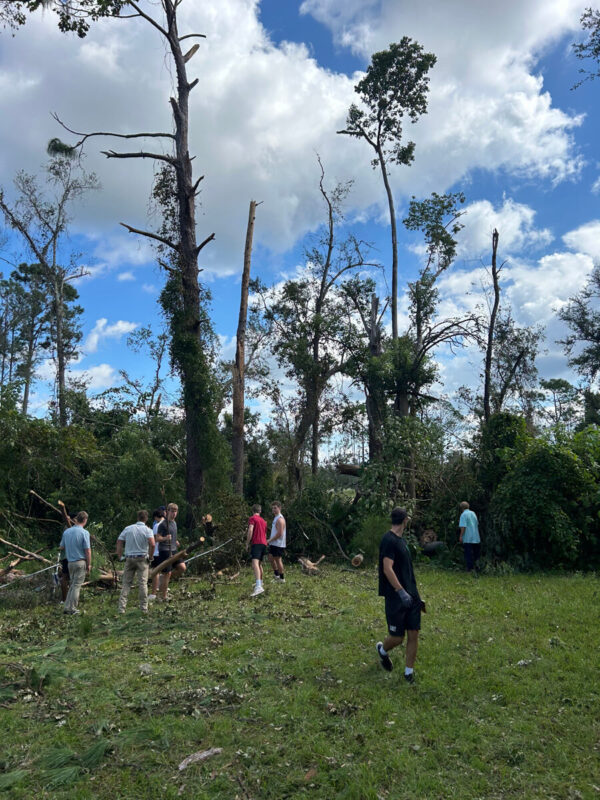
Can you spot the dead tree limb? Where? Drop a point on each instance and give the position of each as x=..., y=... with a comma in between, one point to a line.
x=332, y=533
x=27, y=552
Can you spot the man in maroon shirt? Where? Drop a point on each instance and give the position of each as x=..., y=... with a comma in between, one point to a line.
x=256, y=543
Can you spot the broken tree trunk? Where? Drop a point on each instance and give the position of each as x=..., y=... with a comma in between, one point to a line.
x=27, y=552
x=237, y=440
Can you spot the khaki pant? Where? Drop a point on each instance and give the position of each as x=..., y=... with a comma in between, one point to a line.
x=133, y=567
x=76, y=576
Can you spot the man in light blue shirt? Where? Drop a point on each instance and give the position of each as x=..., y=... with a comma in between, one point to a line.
x=76, y=544
x=469, y=535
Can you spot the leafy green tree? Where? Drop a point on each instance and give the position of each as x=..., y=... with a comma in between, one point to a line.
x=536, y=517
x=72, y=15
x=367, y=365
x=393, y=91
x=565, y=403
x=582, y=345
x=40, y=216
x=11, y=317
x=590, y=48
x=146, y=398
x=501, y=436
x=35, y=324
x=438, y=219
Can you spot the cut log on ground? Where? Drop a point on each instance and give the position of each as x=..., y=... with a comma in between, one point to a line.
x=357, y=560
x=310, y=567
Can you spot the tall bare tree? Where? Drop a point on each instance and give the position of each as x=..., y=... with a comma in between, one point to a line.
x=394, y=88
x=178, y=236
x=238, y=367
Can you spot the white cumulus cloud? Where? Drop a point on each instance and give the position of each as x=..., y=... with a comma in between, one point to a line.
x=102, y=330
x=261, y=111
x=585, y=239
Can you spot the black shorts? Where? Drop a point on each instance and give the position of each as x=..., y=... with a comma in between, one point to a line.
x=258, y=551
x=399, y=620
x=275, y=551
x=163, y=557
x=64, y=565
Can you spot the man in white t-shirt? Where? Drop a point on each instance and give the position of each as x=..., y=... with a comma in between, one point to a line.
x=277, y=541
x=157, y=517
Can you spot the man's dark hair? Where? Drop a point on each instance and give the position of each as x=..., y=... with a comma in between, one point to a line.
x=398, y=516
x=158, y=513
x=142, y=516
x=256, y=509
x=81, y=516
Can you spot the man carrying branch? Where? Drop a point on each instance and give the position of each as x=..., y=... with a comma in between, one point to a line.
x=166, y=536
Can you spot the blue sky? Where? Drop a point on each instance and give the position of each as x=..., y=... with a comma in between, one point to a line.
x=276, y=79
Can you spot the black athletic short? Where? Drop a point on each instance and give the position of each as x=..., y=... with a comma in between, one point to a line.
x=399, y=620
x=163, y=557
x=258, y=551
x=275, y=551
x=64, y=565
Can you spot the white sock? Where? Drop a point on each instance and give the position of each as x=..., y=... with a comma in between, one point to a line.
x=408, y=671
x=259, y=583
x=381, y=650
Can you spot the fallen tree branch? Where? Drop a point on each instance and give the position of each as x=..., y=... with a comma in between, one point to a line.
x=27, y=552
x=202, y=756
x=206, y=552
x=314, y=516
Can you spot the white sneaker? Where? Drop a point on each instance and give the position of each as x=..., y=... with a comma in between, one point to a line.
x=257, y=590
x=151, y=597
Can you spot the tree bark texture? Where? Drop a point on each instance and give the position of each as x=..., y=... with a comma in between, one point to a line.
x=237, y=442
x=492, y=324
x=390, y=197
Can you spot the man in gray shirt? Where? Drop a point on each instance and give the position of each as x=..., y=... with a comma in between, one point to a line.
x=76, y=544
x=138, y=542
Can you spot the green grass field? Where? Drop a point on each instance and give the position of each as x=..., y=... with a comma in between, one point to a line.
x=288, y=684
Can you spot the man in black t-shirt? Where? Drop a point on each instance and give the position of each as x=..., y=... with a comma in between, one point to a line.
x=402, y=601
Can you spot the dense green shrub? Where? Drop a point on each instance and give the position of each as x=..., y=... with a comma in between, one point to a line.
x=536, y=517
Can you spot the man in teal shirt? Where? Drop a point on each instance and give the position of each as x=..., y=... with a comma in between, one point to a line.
x=469, y=535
